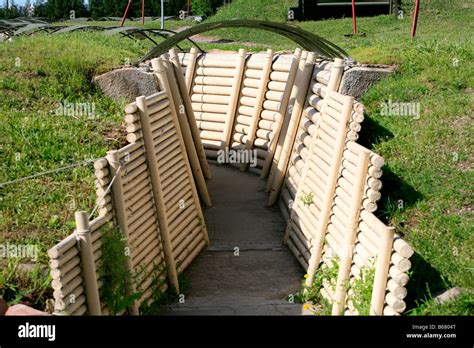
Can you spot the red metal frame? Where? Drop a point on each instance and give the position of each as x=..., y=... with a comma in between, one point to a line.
x=354, y=22
x=125, y=14
x=415, y=18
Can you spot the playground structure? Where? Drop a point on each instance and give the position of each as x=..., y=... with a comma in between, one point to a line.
x=285, y=109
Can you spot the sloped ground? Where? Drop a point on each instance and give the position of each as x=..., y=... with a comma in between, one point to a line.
x=246, y=270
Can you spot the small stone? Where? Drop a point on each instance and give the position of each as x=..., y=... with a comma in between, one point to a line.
x=357, y=80
x=448, y=295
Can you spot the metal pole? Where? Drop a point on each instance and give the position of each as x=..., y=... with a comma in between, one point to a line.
x=415, y=18
x=162, y=14
x=143, y=12
x=125, y=13
x=354, y=23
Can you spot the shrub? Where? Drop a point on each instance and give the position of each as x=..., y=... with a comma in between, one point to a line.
x=205, y=7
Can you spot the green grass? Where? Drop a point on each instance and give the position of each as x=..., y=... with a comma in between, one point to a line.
x=428, y=160
x=31, y=287
x=52, y=69
x=461, y=305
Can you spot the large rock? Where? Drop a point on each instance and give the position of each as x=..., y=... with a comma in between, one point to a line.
x=357, y=80
x=126, y=83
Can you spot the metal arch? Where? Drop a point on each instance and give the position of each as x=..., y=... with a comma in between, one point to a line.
x=305, y=39
x=69, y=28
x=31, y=28
x=55, y=28
x=174, y=33
x=137, y=31
x=117, y=30
x=156, y=32
x=24, y=26
x=160, y=32
x=171, y=32
x=73, y=28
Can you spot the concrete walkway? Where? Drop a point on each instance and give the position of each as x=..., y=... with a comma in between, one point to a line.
x=246, y=270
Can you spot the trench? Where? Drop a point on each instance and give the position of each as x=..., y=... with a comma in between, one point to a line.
x=324, y=183
x=246, y=270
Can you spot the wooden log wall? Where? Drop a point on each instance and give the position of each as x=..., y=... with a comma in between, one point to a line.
x=310, y=157
x=154, y=201
x=181, y=213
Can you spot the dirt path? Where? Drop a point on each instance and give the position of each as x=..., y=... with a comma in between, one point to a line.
x=246, y=270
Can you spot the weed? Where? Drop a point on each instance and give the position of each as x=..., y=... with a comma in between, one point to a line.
x=460, y=305
x=161, y=298
x=117, y=279
x=326, y=275
x=360, y=293
x=17, y=285
x=307, y=198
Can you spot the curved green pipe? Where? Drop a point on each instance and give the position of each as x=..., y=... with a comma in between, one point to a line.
x=305, y=39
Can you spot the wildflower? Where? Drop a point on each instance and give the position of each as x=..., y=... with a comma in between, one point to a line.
x=306, y=276
x=306, y=306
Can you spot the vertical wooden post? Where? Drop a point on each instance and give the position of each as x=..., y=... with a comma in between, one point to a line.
x=83, y=234
x=191, y=69
x=316, y=250
x=190, y=149
x=302, y=91
x=262, y=88
x=286, y=121
x=381, y=270
x=189, y=113
x=159, y=67
x=350, y=233
x=184, y=133
x=299, y=190
x=120, y=212
x=336, y=75
x=157, y=191
x=234, y=100
x=281, y=112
